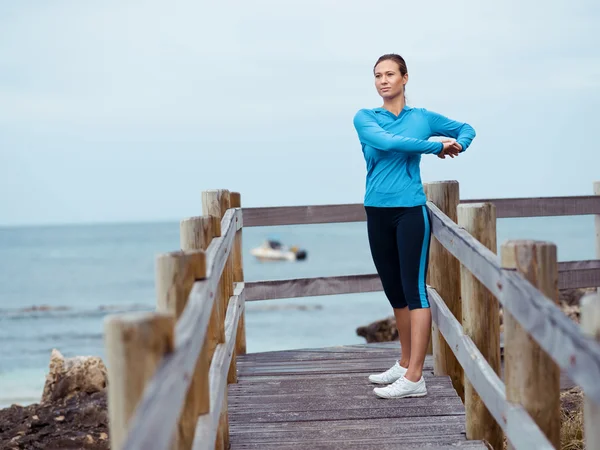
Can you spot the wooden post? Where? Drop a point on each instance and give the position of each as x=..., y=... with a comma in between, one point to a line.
x=444, y=277
x=135, y=343
x=532, y=378
x=481, y=321
x=216, y=203
x=590, y=325
x=597, y=220
x=176, y=273
x=238, y=276
x=196, y=233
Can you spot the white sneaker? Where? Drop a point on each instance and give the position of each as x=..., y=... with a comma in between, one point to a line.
x=389, y=376
x=402, y=388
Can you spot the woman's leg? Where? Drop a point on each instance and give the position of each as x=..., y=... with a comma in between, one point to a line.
x=404, y=333
x=381, y=231
x=414, y=234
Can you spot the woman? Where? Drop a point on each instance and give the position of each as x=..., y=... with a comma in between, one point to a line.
x=393, y=137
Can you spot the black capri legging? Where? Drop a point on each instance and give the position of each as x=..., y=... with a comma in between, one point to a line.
x=399, y=239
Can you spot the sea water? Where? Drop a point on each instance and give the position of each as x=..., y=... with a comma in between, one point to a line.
x=58, y=283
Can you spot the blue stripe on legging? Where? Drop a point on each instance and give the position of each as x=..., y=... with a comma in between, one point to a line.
x=424, y=250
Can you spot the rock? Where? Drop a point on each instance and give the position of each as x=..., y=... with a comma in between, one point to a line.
x=84, y=424
x=68, y=376
x=379, y=331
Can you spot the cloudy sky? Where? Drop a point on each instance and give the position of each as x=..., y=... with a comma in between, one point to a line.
x=127, y=110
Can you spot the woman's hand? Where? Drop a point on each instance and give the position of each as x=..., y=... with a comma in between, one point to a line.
x=451, y=148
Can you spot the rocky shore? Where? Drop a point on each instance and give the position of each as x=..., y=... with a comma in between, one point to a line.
x=72, y=413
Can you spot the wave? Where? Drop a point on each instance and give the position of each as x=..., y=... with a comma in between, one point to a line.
x=66, y=312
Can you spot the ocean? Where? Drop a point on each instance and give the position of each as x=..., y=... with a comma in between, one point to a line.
x=58, y=283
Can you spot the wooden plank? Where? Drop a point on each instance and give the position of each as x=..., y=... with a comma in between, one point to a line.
x=558, y=335
x=206, y=427
x=449, y=442
x=457, y=420
x=434, y=407
x=543, y=206
x=308, y=287
x=156, y=416
x=355, y=212
x=578, y=274
x=484, y=379
x=424, y=430
x=303, y=392
x=312, y=404
x=303, y=215
x=571, y=275
x=385, y=424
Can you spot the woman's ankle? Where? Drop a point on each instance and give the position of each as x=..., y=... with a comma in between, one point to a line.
x=404, y=363
x=413, y=376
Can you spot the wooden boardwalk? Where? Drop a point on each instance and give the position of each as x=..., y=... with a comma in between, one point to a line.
x=322, y=399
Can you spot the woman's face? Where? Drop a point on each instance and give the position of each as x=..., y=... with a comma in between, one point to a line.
x=388, y=79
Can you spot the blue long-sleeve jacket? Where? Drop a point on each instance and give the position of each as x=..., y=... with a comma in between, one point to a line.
x=392, y=146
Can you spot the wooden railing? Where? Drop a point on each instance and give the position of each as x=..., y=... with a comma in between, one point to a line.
x=168, y=370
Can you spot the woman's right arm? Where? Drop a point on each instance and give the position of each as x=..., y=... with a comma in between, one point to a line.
x=372, y=134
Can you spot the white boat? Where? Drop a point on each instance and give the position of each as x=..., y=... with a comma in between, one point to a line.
x=272, y=250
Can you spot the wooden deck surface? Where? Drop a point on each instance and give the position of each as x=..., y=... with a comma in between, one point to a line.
x=322, y=399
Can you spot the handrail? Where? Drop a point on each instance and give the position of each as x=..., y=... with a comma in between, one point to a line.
x=154, y=423
x=571, y=275
x=558, y=335
x=513, y=419
x=155, y=419
x=206, y=427
x=355, y=212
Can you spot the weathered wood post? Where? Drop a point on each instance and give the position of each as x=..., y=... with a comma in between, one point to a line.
x=196, y=233
x=444, y=277
x=235, y=201
x=590, y=325
x=597, y=220
x=532, y=378
x=481, y=321
x=216, y=203
x=135, y=344
x=176, y=273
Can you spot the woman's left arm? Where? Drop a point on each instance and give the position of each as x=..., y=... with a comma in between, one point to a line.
x=443, y=126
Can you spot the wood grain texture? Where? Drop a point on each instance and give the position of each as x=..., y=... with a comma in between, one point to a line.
x=558, y=335
x=308, y=287
x=444, y=277
x=481, y=320
x=216, y=203
x=513, y=419
x=543, y=206
x=571, y=275
x=597, y=226
x=590, y=324
x=155, y=418
x=176, y=273
x=235, y=201
x=135, y=344
x=578, y=274
x=532, y=377
x=197, y=233
x=338, y=410
x=208, y=425
x=355, y=212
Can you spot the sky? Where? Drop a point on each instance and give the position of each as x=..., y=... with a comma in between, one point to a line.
x=120, y=111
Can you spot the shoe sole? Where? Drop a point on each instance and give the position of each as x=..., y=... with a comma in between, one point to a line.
x=423, y=394
x=381, y=382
